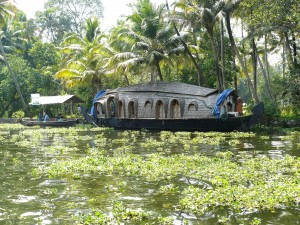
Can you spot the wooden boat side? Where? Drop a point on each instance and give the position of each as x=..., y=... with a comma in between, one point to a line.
x=51, y=123
x=203, y=124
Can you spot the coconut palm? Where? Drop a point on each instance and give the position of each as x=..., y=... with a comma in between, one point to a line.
x=148, y=39
x=82, y=63
x=205, y=13
x=12, y=37
x=8, y=9
x=201, y=78
x=228, y=10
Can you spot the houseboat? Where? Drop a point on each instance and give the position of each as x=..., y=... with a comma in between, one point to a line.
x=171, y=106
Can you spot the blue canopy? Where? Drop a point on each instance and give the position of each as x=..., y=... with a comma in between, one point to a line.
x=97, y=96
x=222, y=96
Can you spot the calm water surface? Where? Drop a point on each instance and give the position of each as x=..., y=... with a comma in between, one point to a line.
x=26, y=199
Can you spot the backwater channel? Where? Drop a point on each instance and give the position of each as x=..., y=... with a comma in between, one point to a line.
x=85, y=175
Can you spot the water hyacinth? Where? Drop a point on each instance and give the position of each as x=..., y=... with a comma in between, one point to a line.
x=209, y=177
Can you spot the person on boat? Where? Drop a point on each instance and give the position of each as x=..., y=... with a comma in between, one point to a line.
x=239, y=106
x=60, y=117
x=46, y=117
x=40, y=117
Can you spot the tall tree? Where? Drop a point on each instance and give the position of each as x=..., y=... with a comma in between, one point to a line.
x=77, y=11
x=207, y=14
x=52, y=25
x=201, y=78
x=82, y=63
x=266, y=18
x=7, y=9
x=151, y=40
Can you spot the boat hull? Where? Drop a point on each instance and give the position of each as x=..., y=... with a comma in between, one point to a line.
x=241, y=123
x=66, y=123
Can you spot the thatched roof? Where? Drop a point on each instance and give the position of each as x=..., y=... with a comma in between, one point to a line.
x=36, y=99
x=167, y=87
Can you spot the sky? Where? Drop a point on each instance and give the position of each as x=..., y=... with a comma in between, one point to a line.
x=113, y=9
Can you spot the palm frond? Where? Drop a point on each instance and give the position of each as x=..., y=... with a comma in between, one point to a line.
x=125, y=55
x=130, y=63
x=68, y=74
x=141, y=45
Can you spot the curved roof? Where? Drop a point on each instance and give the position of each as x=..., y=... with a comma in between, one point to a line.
x=167, y=87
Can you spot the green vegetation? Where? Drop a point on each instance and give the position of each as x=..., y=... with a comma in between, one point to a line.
x=193, y=41
x=219, y=180
x=65, y=50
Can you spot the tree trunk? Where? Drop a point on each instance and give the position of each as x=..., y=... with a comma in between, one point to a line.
x=266, y=60
x=158, y=71
x=223, y=75
x=216, y=57
x=152, y=76
x=289, y=53
x=126, y=80
x=283, y=59
x=267, y=84
x=232, y=42
x=14, y=79
x=294, y=49
x=235, y=72
x=254, y=63
x=202, y=80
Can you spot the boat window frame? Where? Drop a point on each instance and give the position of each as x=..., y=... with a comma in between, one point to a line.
x=121, y=108
x=157, y=109
x=172, y=107
x=132, y=104
x=111, y=101
x=193, y=103
x=100, y=106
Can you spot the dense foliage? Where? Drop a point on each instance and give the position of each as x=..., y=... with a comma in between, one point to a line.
x=217, y=44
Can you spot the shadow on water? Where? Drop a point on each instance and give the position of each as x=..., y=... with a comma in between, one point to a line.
x=29, y=198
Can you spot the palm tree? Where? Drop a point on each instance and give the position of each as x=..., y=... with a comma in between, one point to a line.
x=206, y=13
x=228, y=10
x=8, y=9
x=149, y=40
x=201, y=78
x=81, y=58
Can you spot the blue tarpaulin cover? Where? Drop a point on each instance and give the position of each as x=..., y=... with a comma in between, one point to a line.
x=222, y=96
x=97, y=96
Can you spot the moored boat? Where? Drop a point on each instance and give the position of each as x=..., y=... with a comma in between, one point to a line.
x=43, y=118
x=172, y=106
x=50, y=123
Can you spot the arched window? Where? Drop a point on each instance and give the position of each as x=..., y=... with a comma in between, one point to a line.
x=160, y=111
x=111, y=107
x=175, y=109
x=100, y=110
x=193, y=106
x=121, y=110
x=148, y=109
x=131, y=110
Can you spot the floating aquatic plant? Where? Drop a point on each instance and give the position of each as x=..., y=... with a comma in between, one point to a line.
x=225, y=183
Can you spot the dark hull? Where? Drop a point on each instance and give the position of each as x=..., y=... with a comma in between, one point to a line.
x=67, y=123
x=204, y=124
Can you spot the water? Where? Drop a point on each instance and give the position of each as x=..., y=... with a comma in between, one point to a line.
x=29, y=199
